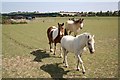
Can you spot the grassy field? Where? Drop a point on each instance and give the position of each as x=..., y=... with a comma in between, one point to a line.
x=26, y=50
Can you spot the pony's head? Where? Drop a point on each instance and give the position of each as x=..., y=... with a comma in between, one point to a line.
x=79, y=22
x=90, y=43
x=61, y=28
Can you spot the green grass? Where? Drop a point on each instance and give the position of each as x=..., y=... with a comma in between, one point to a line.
x=26, y=50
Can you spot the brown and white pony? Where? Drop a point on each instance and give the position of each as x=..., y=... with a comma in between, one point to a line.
x=74, y=26
x=54, y=36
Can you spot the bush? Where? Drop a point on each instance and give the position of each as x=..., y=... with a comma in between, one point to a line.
x=12, y=21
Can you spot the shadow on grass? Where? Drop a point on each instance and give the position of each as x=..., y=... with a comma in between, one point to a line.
x=54, y=70
x=39, y=55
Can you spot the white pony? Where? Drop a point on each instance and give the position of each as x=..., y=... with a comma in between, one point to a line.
x=76, y=45
x=74, y=26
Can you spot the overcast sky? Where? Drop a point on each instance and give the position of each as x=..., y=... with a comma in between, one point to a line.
x=59, y=6
x=59, y=0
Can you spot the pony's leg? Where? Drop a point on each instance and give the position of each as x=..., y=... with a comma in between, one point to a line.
x=63, y=55
x=65, y=58
x=60, y=52
x=78, y=68
x=50, y=47
x=81, y=62
x=54, y=48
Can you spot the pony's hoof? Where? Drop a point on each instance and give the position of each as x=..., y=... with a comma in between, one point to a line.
x=78, y=69
x=54, y=54
x=51, y=50
x=83, y=72
x=63, y=61
x=66, y=66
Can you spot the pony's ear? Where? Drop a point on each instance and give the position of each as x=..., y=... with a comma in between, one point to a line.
x=93, y=36
x=82, y=19
x=88, y=36
x=62, y=24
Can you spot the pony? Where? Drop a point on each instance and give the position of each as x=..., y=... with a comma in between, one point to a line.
x=54, y=35
x=76, y=45
x=74, y=26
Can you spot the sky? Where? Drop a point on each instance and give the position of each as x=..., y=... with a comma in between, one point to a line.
x=58, y=6
x=60, y=0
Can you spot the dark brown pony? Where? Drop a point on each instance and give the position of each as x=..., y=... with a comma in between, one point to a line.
x=59, y=32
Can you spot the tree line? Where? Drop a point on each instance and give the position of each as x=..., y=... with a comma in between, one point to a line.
x=57, y=14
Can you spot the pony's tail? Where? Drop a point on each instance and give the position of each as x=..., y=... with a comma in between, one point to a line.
x=65, y=32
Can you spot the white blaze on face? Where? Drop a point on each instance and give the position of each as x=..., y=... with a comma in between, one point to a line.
x=61, y=33
x=81, y=25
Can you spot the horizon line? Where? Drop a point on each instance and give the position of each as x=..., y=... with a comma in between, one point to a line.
x=58, y=11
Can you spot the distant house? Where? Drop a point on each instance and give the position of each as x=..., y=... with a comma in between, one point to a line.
x=30, y=17
x=68, y=13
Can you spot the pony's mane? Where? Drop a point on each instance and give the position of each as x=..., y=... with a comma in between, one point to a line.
x=86, y=34
x=83, y=36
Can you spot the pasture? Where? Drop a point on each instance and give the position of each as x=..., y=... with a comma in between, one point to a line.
x=25, y=50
